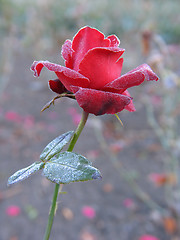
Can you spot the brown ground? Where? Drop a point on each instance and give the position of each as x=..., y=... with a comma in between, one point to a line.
x=21, y=144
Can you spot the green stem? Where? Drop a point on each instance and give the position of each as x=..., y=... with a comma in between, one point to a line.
x=52, y=212
x=56, y=189
x=78, y=131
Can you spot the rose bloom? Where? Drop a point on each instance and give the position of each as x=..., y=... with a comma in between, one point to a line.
x=92, y=73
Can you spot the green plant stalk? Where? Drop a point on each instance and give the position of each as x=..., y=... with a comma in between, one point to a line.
x=56, y=189
x=78, y=131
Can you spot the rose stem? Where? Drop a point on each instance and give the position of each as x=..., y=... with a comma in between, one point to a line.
x=56, y=189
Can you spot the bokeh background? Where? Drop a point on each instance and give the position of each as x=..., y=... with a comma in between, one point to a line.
x=139, y=192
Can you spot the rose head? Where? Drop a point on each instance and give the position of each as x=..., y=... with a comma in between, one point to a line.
x=92, y=73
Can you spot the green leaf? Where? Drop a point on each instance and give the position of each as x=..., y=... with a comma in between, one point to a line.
x=56, y=146
x=25, y=172
x=69, y=167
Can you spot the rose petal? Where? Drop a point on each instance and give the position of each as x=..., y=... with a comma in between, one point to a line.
x=133, y=78
x=13, y=211
x=67, y=53
x=147, y=71
x=148, y=237
x=114, y=40
x=66, y=75
x=129, y=203
x=126, y=81
x=57, y=86
x=13, y=117
x=88, y=212
x=99, y=102
x=130, y=107
x=86, y=39
x=101, y=66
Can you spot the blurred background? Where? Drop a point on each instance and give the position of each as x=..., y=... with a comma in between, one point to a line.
x=139, y=194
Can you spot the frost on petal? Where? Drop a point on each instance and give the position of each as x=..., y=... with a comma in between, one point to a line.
x=37, y=67
x=101, y=66
x=86, y=39
x=147, y=71
x=126, y=81
x=99, y=102
x=66, y=75
x=114, y=40
x=67, y=53
x=133, y=78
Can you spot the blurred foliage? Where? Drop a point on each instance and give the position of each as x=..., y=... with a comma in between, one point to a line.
x=54, y=20
x=39, y=27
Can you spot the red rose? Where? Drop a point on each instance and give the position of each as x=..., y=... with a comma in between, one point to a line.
x=92, y=73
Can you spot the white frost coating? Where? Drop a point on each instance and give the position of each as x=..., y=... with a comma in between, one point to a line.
x=70, y=167
x=25, y=173
x=56, y=146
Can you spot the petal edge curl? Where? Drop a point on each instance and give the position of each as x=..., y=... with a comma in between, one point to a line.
x=67, y=52
x=66, y=75
x=133, y=78
x=114, y=40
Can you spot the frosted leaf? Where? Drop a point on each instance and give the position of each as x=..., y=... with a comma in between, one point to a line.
x=69, y=167
x=56, y=146
x=25, y=172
